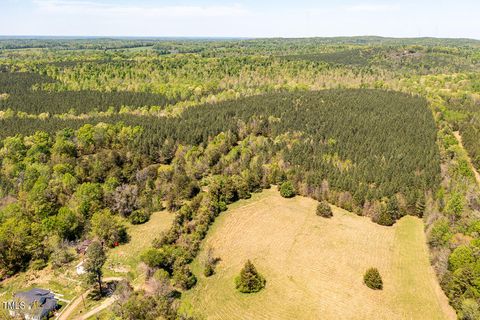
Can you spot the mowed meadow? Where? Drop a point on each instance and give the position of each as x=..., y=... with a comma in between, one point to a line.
x=314, y=266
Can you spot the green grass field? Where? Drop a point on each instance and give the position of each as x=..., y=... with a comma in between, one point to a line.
x=125, y=258
x=314, y=266
x=62, y=281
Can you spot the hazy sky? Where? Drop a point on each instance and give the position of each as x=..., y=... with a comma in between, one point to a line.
x=250, y=18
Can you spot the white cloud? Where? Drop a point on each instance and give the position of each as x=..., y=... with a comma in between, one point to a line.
x=373, y=8
x=105, y=9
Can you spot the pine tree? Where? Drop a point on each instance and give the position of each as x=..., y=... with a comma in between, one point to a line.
x=393, y=209
x=384, y=218
x=420, y=206
x=249, y=280
x=389, y=213
x=95, y=259
x=372, y=279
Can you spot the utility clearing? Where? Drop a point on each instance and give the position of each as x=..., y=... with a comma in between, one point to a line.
x=314, y=266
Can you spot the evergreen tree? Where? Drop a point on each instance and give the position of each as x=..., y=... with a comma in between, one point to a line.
x=389, y=213
x=210, y=263
x=393, y=209
x=420, y=206
x=372, y=279
x=94, y=261
x=249, y=280
x=384, y=218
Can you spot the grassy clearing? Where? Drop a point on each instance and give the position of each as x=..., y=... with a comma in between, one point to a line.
x=314, y=266
x=62, y=281
x=124, y=259
x=414, y=275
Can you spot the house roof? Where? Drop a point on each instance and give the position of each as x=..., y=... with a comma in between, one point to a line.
x=45, y=300
x=36, y=294
x=83, y=246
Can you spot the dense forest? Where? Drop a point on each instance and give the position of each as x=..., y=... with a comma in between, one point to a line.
x=98, y=132
x=19, y=95
x=351, y=152
x=331, y=147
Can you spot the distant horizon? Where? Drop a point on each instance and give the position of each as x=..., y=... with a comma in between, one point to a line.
x=241, y=18
x=140, y=37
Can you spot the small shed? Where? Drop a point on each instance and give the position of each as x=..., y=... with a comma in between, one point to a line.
x=83, y=246
x=80, y=269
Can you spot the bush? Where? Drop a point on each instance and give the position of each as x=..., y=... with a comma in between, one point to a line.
x=209, y=270
x=184, y=278
x=38, y=264
x=469, y=310
x=210, y=263
x=384, y=218
x=324, y=210
x=61, y=256
x=287, y=190
x=161, y=275
x=249, y=280
x=461, y=257
x=455, y=205
x=139, y=217
x=440, y=233
x=372, y=279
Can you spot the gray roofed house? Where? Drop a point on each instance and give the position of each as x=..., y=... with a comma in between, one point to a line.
x=39, y=303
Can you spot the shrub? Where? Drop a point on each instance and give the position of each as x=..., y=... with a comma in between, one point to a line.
x=139, y=217
x=249, y=280
x=461, y=257
x=161, y=275
x=287, y=190
x=184, y=278
x=440, y=233
x=384, y=218
x=209, y=270
x=372, y=279
x=324, y=210
x=61, y=256
x=469, y=310
x=210, y=263
x=38, y=264
x=455, y=205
